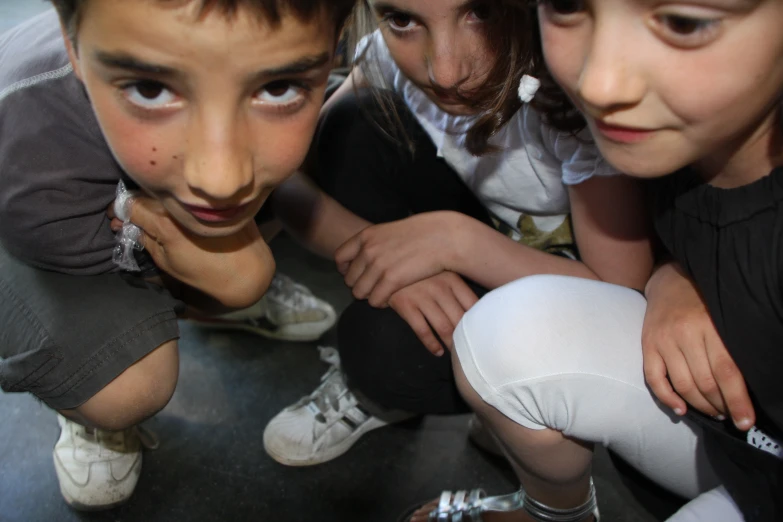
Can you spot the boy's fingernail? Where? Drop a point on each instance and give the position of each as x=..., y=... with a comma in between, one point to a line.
x=679, y=411
x=743, y=424
x=720, y=417
x=440, y=353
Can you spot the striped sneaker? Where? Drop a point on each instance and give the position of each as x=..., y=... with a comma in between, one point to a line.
x=321, y=426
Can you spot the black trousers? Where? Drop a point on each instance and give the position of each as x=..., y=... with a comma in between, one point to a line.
x=381, y=180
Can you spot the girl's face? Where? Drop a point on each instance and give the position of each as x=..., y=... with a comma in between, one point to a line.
x=438, y=44
x=666, y=84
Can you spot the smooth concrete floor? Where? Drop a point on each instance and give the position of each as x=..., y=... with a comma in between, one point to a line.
x=211, y=465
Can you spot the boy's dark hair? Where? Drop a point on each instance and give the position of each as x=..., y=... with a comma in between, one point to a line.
x=271, y=10
x=512, y=34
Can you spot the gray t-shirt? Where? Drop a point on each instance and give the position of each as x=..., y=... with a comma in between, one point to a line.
x=57, y=174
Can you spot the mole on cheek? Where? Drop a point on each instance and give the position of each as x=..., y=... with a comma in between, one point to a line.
x=153, y=163
x=175, y=157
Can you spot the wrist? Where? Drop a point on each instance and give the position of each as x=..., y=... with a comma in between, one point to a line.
x=461, y=229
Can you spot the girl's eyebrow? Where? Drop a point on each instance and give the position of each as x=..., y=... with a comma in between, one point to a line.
x=385, y=7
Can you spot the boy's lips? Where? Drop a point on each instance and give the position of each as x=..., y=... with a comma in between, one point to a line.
x=216, y=215
x=622, y=134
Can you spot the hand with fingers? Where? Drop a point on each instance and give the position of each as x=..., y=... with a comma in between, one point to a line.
x=383, y=259
x=685, y=360
x=433, y=307
x=235, y=270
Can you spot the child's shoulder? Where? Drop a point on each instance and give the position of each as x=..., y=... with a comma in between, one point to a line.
x=42, y=103
x=33, y=51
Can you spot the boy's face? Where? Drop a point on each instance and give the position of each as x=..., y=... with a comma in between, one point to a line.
x=207, y=114
x=666, y=85
x=437, y=43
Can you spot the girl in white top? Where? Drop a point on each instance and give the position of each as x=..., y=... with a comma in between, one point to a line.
x=451, y=66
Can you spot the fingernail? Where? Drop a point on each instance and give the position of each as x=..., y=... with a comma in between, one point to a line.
x=440, y=353
x=679, y=411
x=743, y=424
x=720, y=418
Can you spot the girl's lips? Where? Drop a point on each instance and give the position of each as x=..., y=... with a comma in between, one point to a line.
x=216, y=215
x=622, y=134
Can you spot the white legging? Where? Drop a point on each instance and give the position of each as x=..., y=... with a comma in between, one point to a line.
x=565, y=353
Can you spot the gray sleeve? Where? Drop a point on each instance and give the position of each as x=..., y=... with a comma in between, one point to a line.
x=57, y=177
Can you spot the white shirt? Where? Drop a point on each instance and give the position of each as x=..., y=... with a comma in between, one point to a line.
x=528, y=174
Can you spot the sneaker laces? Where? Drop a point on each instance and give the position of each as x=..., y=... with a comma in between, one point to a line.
x=326, y=398
x=117, y=440
x=283, y=289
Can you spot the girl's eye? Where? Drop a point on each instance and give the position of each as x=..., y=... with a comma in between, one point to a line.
x=563, y=7
x=282, y=94
x=149, y=94
x=400, y=22
x=687, y=31
x=480, y=13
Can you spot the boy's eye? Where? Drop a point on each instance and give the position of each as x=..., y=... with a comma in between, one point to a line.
x=283, y=94
x=149, y=94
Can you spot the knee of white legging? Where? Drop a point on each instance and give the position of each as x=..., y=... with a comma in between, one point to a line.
x=540, y=342
x=515, y=332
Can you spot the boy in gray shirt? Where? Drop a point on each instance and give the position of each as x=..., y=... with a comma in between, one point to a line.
x=205, y=106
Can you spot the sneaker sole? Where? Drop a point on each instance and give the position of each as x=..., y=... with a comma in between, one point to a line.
x=312, y=334
x=70, y=499
x=331, y=453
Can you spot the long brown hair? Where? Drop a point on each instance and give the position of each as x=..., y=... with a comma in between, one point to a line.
x=512, y=35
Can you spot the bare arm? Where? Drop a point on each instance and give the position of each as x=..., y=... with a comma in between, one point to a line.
x=611, y=230
x=309, y=214
x=685, y=360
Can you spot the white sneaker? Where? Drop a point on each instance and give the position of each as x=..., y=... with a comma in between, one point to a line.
x=97, y=469
x=288, y=311
x=321, y=426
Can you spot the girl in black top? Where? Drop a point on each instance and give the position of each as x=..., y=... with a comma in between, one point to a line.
x=688, y=95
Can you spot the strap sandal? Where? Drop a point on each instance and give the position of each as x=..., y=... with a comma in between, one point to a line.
x=468, y=506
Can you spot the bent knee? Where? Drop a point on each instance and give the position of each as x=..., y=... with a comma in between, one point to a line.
x=548, y=325
x=138, y=393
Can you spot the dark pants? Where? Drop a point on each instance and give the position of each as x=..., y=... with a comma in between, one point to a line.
x=382, y=180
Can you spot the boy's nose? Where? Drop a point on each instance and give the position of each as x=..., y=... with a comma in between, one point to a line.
x=218, y=163
x=610, y=78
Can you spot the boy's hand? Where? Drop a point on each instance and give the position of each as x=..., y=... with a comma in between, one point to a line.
x=382, y=259
x=437, y=303
x=680, y=339
x=235, y=270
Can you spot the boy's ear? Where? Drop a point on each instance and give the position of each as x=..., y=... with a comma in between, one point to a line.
x=73, y=55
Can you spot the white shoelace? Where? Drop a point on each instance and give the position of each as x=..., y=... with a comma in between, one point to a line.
x=326, y=398
x=293, y=295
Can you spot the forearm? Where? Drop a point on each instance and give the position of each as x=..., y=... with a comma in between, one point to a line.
x=491, y=259
x=667, y=274
x=235, y=294
x=319, y=222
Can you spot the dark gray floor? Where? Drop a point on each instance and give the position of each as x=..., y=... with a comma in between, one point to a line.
x=211, y=464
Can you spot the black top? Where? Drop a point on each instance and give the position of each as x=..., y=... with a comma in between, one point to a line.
x=731, y=243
